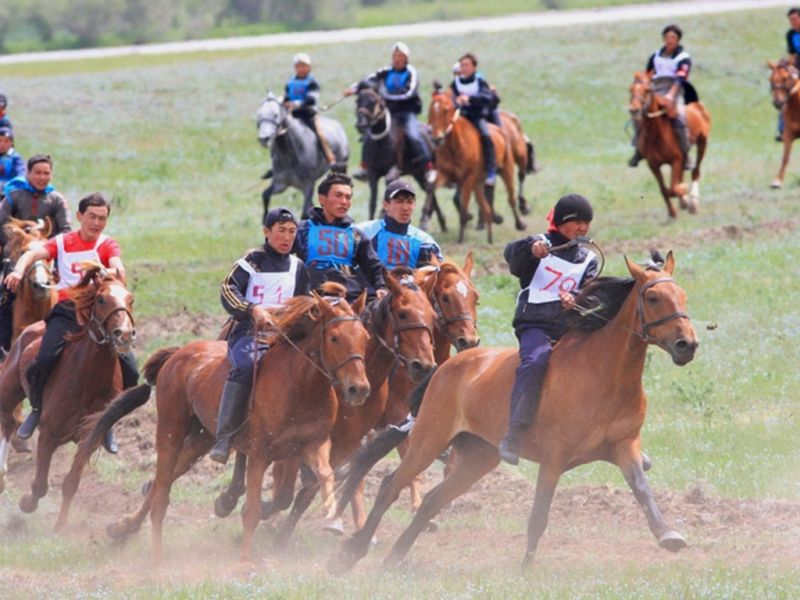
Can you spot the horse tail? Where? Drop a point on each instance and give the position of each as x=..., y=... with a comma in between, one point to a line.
x=94, y=428
x=155, y=362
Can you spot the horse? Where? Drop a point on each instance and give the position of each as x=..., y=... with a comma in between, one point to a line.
x=784, y=80
x=459, y=160
x=401, y=329
x=658, y=144
x=592, y=408
x=86, y=378
x=297, y=158
x=319, y=345
x=36, y=294
x=384, y=149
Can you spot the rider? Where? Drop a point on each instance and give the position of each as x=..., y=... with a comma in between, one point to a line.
x=301, y=96
x=398, y=85
x=396, y=241
x=538, y=320
x=332, y=247
x=474, y=97
x=669, y=68
x=4, y=120
x=264, y=278
x=69, y=250
x=793, y=50
x=11, y=163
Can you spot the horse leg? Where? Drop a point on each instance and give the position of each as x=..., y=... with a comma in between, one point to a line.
x=45, y=447
x=20, y=446
x=485, y=207
x=694, y=192
x=664, y=191
x=5, y=447
x=308, y=198
x=357, y=507
x=476, y=457
x=69, y=487
x=284, y=474
x=229, y=498
x=265, y=197
x=508, y=179
x=256, y=466
x=629, y=461
x=546, y=483
x=318, y=459
x=787, y=151
x=373, y=194
x=523, y=203
x=416, y=484
x=301, y=503
x=464, y=192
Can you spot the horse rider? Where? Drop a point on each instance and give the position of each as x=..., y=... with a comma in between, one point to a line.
x=332, y=248
x=11, y=162
x=793, y=58
x=474, y=98
x=69, y=250
x=264, y=278
x=395, y=240
x=301, y=96
x=669, y=68
x=4, y=120
x=539, y=318
x=30, y=196
x=398, y=85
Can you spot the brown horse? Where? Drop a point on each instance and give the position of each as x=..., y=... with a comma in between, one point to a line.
x=659, y=145
x=593, y=407
x=402, y=335
x=83, y=382
x=321, y=347
x=459, y=160
x=523, y=152
x=784, y=80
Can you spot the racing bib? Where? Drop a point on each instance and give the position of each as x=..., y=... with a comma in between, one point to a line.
x=330, y=247
x=271, y=290
x=554, y=275
x=397, y=250
x=69, y=263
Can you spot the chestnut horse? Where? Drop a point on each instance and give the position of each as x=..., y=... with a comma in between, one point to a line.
x=321, y=346
x=459, y=160
x=85, y=379
x=659, y=145
x=784, y=80
x=592, y=408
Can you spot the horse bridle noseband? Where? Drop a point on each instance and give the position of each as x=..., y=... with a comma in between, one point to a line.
x=645, y=332
x=330, y=372
x=379, y=111
x=280, y=128
x=397, y=328
x=36, y=265
x=100, y=325
x=443, y=321
x=450, y=126
x=783, y=86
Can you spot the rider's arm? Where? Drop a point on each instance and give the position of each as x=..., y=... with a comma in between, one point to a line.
x=312, y=94
x=5, y=213
x=368, y=260
x=521, y=262
x=25, y=261
x=232, y=292
x=61, y=219
x=18, y=168
x=371, y=80
x=790, y=49
x=115, y=265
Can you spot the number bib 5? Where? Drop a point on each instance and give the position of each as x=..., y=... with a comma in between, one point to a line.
x=554, y=275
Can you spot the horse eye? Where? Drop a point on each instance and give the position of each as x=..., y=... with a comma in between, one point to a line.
x=403, y=316
x=652, y=299
x=334, y=339
x=446, y=299
x=101, y=300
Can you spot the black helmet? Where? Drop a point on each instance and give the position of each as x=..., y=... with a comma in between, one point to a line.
x=572, y=207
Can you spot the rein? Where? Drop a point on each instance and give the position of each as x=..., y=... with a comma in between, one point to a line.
x=397, y=329
x=96, y=322
x=448, y=130
x=443, y=321
x=783, y=86
x=378, y=111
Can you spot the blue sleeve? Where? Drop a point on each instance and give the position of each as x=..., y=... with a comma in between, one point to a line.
x=19, y=168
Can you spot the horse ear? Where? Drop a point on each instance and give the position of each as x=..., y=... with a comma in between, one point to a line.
x=669, y=264
x=325, y=309
x=391, y=281
x=635, y=270
x=772, y=64
x=469, y=262
x=360, y=303
x=47, y=228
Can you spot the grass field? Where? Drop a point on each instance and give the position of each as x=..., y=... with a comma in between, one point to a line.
x=172, y=140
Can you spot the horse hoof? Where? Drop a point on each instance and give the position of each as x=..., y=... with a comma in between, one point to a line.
x=684, y=203
x=694, y=205
x=28, y=503
x=523, y=208
x=647, y=464
x=777, y=184
x=340, y=563
x=432, y=527
x=335, y=527
x=527, y=560
x=672, y=541
x=497, y=219
x=223, y=506
x=480, y=226
x=521, y=225
x=146, y=487
x=424, y=223
x=117, y=530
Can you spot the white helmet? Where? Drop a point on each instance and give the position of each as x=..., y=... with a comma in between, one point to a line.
x=402, y=48
x=457, y=68
x=301, y=58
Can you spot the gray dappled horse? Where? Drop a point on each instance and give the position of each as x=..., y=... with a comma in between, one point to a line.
x=297, y=158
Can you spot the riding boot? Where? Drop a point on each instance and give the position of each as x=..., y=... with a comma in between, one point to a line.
x=489, y=159
x=682, y=133
x=530, y=163
x=232, y=413
x=323, y=142
x=634, y=160
x=361, y=173
x=509, y=445
x=37, y=379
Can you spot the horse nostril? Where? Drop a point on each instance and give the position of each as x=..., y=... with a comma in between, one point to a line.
x=352, y=391
x=118, y=333
x=416, y=365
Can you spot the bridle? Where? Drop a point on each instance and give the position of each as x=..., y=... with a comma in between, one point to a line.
x=443, y=321
x=30, y=275
x=96, y=324
x=379, y=111
x=784, y=85
x=280, y=127
x=330, y=372
x=397, y=329
x=448, y=130
x=644, y=334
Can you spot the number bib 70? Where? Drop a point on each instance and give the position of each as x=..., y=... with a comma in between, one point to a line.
x=555, y=275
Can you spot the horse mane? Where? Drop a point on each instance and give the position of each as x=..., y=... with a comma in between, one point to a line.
x=84, y=294
x=297, y=318
x=448, y=266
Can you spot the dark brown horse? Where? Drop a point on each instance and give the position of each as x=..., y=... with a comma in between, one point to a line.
x=84, y=381
x=592, y=408
x=322, y=347
x=784, y=80
x=402, y=335
x=459, y=160
x=659, y=145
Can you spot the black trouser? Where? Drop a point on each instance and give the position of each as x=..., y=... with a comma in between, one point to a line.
x=489, y=160
x=7, y=319
x=61, y=321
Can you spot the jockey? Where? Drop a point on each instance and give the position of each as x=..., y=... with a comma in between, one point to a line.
x=332, y=248
x=70, y=250
x=793, y=50
x=4, y=120
x=264, y=278
x=669, y=68
x=301, y=96
x=32, y=196
x=474, y=98
x=396, y=241
x=398, y=84
x=11, y=163
x=541, y=304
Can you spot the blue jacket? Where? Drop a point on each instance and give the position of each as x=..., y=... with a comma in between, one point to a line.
x=399, y=245
x=400, y=89
x=306, y=91
x=11, y=165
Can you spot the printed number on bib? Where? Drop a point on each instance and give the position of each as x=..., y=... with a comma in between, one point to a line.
x=555, y=275
x=333, y=243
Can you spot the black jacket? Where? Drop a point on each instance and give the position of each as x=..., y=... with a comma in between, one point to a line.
x=549, y=316
x=480, y=103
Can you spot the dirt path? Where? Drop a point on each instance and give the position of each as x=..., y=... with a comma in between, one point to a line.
x=568, y=18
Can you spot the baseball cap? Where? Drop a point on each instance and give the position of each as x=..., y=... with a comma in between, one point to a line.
x=6, y=132
x=279, y=215
x=398, y=186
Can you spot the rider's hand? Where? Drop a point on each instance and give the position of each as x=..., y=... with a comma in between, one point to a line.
x=381, y=293
x=462, y=100
x=567, y=300
x=261, y=318
x=348, y=92
x=540, y=249
x=12, y=280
